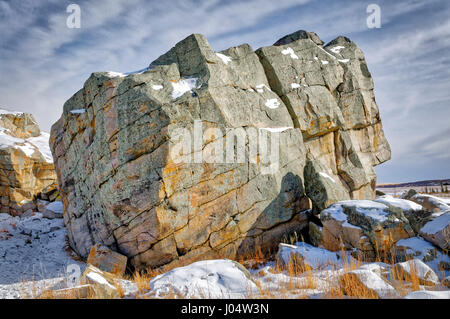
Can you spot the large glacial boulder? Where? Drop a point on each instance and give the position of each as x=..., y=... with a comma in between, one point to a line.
x=26, y=163
x=137, y=175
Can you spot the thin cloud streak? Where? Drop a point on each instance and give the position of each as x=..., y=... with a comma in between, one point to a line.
x=44, y=62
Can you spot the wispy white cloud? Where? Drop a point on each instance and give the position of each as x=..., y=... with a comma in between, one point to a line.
x=47, y=62
x=44, y=62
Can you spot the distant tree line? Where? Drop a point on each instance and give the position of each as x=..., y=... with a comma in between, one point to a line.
x=444, y=189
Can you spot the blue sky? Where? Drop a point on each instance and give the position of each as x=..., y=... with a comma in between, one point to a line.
x=43, y=62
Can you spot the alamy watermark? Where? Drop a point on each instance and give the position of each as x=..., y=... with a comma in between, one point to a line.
x=374, y=18
x=260, y=146
x=73, y=272
x=74, y=19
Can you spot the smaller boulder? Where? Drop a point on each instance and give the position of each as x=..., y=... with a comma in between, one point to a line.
x=416, y=247
x=107, y=285
x=408, y=194
x=364, y=225
x=102, y=283
x=437, y=231
x=220, y=278
x=414, y=212
x=379, y=193
x=53, y=210
x=415, y=267
x=107, y=260
x=303, y=256
x=430, y=203
x=367, y=284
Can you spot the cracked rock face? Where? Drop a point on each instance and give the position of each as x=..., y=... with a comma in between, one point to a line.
x=26, y=165
x=121, y=185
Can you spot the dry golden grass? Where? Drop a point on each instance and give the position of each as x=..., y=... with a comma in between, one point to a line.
x=120, y=290
x=142, y=279
x=254, y=259
x=293, y=280
x=337, y=286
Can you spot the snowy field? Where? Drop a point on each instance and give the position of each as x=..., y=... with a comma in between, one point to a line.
x=33, y=254
x=398, y=191
x=34, y=257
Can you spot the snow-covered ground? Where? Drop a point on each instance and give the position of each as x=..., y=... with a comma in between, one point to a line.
x=33, y=255
x=399, y=191
x=223, y=278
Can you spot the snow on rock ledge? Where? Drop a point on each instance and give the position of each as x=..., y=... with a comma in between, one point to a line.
x=416, y=214
x=403, y=204
x=221, y=278
x=307, y=256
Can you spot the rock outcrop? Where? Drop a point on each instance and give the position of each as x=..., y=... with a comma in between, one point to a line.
x=366, y=227
x=140, y=161
x=367, y=284
x=107, y=260
x=437, y=231
x=26, y=165
x=302, y=257
x=415, y=213
x=431, y=203
x=419, y=269
x=416, y=247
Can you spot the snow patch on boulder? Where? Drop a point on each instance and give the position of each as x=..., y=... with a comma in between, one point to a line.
x=403, y=204
x=221, y=278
